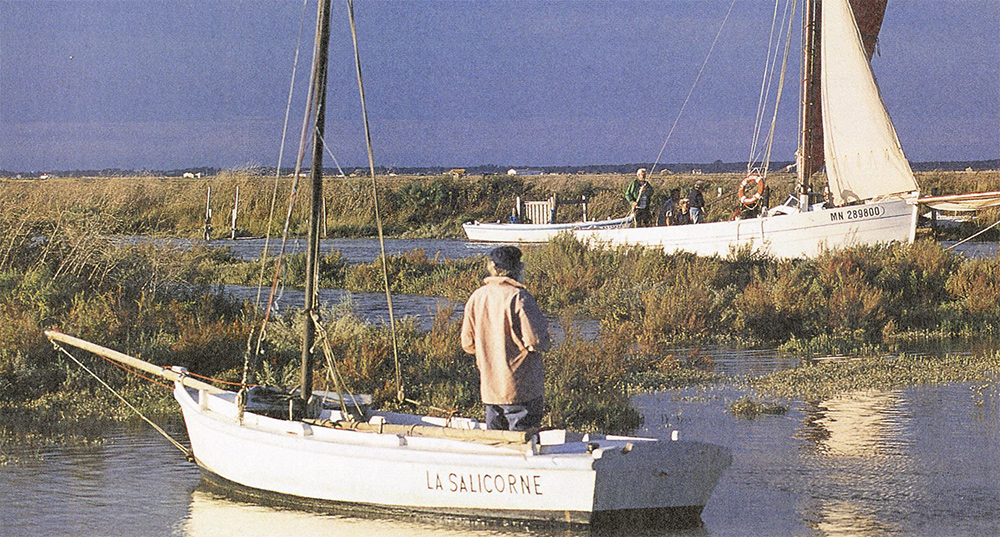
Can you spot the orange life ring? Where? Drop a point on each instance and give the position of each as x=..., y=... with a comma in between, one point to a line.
x=756, y=183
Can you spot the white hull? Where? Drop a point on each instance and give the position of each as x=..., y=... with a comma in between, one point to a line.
x=805, y=234
x=548, y=479
x=485, y=232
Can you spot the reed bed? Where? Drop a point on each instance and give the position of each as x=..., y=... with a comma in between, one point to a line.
x=411, y=206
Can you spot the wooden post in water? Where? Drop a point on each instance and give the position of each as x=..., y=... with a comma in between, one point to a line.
x=236, y=206
x=208, y=215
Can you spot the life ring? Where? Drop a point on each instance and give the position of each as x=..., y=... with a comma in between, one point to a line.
x=756, y=190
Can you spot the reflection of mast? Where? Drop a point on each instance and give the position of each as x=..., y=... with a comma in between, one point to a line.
x=856, y=425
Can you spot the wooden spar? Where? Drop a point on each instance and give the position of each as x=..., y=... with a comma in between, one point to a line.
x=236, y=208
x=316, y=174
x=479, y=435
x=208, y=214
x=810, y=154
x=130, y=361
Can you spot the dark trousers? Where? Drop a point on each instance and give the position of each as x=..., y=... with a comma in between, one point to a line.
x=516, y=417
x=643, y=217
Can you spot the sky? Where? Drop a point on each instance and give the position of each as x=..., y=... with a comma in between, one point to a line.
x=172, y=84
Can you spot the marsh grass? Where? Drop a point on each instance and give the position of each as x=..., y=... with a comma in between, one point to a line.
x=411, y=206
x=829, y=378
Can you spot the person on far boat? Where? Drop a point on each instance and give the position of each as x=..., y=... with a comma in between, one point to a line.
x=696, y=204
x=506, y=331
x=639, y=193
x=682, y=214
x=668, y=215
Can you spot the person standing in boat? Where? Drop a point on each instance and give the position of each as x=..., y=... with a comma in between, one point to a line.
x=696, y=204
x=506, y=331
x=639, y=193
x=671, y=207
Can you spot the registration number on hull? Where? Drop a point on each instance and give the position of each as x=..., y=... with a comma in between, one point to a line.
x=857, y=213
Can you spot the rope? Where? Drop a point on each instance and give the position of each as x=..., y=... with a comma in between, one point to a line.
x=378, y=217
x=967, y=239
x=188, y=454
x=270, y=219
x=339, y=384
x=691, y=91
x=781, y=86
x=765, y=83
x=129, y=370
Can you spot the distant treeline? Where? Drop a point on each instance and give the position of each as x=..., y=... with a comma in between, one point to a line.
x=489, y=169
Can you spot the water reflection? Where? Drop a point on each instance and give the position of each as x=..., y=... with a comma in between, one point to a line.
x=920, y=461
x=859, y=441
x=214, y=515
x=867, y=424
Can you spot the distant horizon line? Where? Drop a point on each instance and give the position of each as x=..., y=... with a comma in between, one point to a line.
x=717, y=166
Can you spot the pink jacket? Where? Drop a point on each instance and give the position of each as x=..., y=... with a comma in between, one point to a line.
x=501, y=321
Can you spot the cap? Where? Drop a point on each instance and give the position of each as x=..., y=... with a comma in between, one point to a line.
x=506, y=257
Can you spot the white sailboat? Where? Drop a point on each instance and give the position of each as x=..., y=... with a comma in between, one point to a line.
x=874, y=196
x=532, y=233
x=323, y=448
x=535, y=221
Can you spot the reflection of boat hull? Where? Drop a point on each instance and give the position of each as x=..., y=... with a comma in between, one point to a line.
x=588, y=480
x=486, y=232
x=803, y=234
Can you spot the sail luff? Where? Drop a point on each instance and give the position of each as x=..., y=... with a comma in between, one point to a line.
x=864, y=159
x=869, y=15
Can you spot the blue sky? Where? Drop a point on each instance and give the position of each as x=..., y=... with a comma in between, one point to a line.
x=174, y=84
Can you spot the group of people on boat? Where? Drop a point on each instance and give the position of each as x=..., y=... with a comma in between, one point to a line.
x=675, y=210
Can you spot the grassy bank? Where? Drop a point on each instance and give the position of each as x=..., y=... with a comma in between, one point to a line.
x=412, y=206
x=861, y=300
x=160, y=304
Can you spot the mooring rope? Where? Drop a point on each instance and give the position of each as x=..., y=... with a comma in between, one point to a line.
x=969, y=238
x=188, y=454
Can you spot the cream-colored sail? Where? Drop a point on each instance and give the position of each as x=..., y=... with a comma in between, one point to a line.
x=863, y=157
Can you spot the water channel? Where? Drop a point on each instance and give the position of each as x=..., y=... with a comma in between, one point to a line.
x=913, y=462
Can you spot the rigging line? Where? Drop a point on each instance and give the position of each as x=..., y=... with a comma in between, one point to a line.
x=187, y=452
x=334, y=157
x=274, y=200
x=691, y=91
x=781, y=86
x=281, y=147
x=378, y=217
x=766, y=76
x=303, y=136
x=339, y=383
x=967, y=239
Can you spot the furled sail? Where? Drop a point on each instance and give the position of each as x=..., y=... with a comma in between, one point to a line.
x=869, y=15
x=863, y=157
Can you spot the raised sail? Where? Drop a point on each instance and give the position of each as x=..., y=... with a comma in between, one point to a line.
x=869, y=15
x=864, y=159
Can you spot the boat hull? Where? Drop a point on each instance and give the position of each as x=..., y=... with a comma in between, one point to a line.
x=534, y=233
x=804, y=234
x=656, y=482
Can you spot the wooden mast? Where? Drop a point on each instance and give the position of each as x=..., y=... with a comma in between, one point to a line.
x=316, y=200
x=810, y=112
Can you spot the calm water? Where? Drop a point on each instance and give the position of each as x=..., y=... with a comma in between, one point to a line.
x=914, y=462
x=922, y=461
